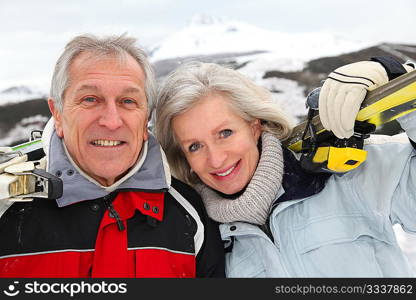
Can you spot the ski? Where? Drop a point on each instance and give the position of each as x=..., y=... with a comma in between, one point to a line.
x=322, y=151
x=22, y=178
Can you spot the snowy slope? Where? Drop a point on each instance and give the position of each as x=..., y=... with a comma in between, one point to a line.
x=286, y=52
x=20, y=93
x=208, y=35
x=21, y=130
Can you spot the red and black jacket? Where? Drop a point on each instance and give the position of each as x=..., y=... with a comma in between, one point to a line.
x=133, y=231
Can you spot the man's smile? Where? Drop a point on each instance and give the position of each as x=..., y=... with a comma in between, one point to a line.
x=107, y=143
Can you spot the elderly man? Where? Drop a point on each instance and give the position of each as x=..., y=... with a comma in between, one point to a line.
x=121, y=214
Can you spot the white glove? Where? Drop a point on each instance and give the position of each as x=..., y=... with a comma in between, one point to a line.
x=344, y=91
x=15, y=181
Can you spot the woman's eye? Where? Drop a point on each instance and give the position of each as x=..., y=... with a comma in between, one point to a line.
x=226, y=133
x=194, y=147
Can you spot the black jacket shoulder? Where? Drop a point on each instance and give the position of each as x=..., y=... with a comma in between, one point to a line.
x=211, y=257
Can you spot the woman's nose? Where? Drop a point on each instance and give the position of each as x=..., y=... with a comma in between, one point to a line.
x=216, y=157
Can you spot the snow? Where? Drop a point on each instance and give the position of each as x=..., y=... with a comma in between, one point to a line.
x=280, y=51
x=290, y=96
x=207, y=35
x=21, y=131
x=272, y=61
x=21, y=93
x=287, y=93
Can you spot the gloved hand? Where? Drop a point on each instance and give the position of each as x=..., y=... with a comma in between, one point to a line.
x=343, y=92
x=15, y=178
x=10, y=166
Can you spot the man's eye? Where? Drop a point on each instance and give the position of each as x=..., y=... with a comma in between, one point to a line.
x=90, y=99
x=226, y=133
x=128, y=101
x=194, y=147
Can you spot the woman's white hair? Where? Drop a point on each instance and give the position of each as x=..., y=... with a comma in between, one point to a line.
x=191, y=82
x=114, y=46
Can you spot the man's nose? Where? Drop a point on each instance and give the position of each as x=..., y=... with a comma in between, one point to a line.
x=216, y=157
x=110, y=116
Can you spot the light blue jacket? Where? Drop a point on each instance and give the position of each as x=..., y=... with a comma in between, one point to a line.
x=346, y=230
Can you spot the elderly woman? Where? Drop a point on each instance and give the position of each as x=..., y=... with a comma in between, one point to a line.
x=222, y=134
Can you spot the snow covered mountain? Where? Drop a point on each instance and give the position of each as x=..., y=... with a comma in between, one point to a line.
x=22, y=109
x=20, y=132
x=253, y=51
x=20, y=93
x=289, y=65
x=207, y=35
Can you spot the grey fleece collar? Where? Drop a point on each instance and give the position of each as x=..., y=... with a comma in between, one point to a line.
x=253, y=206
x=150, y=177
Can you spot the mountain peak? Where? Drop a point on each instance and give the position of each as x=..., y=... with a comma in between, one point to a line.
x=21, y=89
x=207, y=35
x=204, y=19
x=20, y=93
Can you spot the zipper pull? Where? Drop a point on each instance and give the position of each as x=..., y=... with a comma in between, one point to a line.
x=113, y=213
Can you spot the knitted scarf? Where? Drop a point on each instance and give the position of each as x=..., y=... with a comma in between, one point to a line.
x=254, y=203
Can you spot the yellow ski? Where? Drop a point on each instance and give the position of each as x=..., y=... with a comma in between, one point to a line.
x=382, y=105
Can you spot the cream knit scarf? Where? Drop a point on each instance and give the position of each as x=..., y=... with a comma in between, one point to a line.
x=254, y=203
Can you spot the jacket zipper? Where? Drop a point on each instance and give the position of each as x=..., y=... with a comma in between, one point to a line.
x=266, y=227
x=113, y=213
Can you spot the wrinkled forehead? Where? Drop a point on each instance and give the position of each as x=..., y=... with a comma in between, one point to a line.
x=120, y=59
x=120, y=68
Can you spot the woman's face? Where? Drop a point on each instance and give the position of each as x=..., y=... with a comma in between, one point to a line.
x=220, y=146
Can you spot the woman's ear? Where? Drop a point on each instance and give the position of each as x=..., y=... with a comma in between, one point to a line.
x=256, y=128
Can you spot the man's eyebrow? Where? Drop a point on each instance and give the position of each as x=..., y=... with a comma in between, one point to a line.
x=85, y=87
x=132, y=90
x=88, y=87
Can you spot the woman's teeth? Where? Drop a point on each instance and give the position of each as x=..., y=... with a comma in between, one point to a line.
x=226, y=172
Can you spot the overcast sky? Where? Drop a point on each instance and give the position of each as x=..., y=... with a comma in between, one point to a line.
x=33, y=33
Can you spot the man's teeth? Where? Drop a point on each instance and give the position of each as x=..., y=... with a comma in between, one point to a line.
x=226, y=172
x=106, y=143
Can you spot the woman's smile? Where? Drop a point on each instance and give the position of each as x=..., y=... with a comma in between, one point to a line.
x=228, y=172
x=222, y=149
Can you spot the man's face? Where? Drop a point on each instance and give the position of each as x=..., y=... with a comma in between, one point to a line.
x=104, y=118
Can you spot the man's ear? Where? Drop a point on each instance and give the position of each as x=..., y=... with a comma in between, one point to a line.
x=57, y=115
x=145, y=129
x=145, y=133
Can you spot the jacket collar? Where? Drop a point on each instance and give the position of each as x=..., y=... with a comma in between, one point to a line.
x=152, y=171
x=297, y=182
x=237, y=228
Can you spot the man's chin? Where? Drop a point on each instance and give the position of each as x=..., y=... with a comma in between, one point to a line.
x=108, y=176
